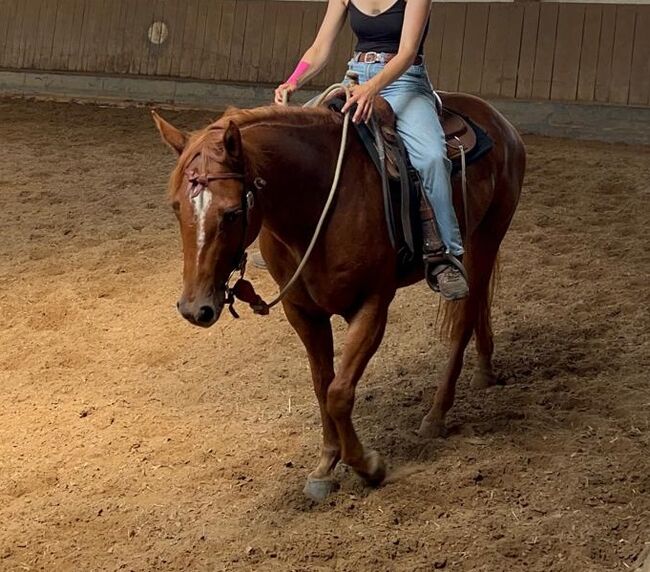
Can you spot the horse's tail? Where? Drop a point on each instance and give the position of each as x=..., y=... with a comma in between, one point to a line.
x=478, y=304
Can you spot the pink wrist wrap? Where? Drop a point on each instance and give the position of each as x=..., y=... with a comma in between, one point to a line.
x=300, y=70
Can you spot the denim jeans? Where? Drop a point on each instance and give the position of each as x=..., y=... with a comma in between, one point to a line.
x=412, y=99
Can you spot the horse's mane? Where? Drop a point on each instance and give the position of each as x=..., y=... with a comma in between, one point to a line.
x=208, y=142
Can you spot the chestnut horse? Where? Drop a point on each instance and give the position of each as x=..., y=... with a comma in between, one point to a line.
x=285, y=158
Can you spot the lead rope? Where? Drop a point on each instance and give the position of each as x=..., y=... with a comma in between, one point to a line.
x=332, y=193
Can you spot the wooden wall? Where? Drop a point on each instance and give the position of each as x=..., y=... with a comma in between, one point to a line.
x=557, y=51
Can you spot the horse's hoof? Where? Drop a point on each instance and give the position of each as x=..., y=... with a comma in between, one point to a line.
x=376, y=469
x=319, y=489
x=432, y=429
x=482, y=379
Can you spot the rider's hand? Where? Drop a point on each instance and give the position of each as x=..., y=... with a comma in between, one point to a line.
x=364, y=96
x=288, y=87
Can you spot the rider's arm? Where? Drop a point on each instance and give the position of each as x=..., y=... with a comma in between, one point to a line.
x=315, y=58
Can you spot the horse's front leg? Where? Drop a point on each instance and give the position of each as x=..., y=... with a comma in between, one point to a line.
x=315, y=331
x=365, y=332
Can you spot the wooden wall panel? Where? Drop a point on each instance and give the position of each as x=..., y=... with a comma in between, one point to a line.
x=524, y=49
x=546, y=31
x=568, y=45
x=605, y=50
x=619, y=88
x=527, y=50
x=589, y=53
x=640, y=76
x=452, y=46
x=471, y=67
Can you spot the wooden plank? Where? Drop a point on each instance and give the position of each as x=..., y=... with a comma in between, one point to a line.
x=589, y=53
x=527, y=50
x=156, y=51
x=96, y=49
x=452, y=47
x=29, y=40
x=199, y=45
x=222, y=56
x=265, y=72
x=471, y=69
x=46, y=29
x=192, y=39
x=58, y=59
x=640, y=75
x=7, y=8
x=210, y=43
x=515, y=22
x=619, y=90
x=433, y=43
x=170, y=52
x=280, y=43
x=545, y=51
x=495, y=44
x=605, y=50
x=73, y=45
x=568, y=46
x=251, y=54
x=129, y=48
x=13, y=51
x=116, y=35
x=237, y=41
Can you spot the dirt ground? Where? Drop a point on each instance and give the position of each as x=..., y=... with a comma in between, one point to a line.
x=130, y=440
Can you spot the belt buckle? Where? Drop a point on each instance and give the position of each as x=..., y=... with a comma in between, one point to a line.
x=370, y=57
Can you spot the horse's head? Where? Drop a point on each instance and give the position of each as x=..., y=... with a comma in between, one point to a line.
x=211, y=195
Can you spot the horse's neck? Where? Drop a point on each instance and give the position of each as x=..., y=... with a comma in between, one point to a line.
x=298, y=166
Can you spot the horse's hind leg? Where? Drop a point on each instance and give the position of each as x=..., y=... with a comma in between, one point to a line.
x=465, y=316
x=487, y=248
x=315, y=331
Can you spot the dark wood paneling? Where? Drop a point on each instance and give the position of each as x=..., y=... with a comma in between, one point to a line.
x=452, y=47
x=605, y=49
x=527, y=51
x=622, y=54
x=546, y=31
x=568, y=46
x=640, y=76
x=589, y=53
x=471, y=68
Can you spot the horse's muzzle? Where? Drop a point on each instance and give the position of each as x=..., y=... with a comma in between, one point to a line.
x=201, y=312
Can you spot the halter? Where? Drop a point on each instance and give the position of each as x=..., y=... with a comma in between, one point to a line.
x=242, y=289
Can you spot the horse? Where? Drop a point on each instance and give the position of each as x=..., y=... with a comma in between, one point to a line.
x=266, y=172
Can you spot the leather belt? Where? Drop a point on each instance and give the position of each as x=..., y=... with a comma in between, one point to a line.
x=381, y=58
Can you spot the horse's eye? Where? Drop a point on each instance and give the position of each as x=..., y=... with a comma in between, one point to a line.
x=231, y=216
x=176, y=206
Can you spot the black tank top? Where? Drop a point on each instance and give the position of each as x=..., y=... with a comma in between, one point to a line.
x=380, y=33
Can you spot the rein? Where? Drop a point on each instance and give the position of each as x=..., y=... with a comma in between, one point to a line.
x=242, y=289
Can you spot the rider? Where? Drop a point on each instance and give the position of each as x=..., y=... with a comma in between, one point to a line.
x=389, y=61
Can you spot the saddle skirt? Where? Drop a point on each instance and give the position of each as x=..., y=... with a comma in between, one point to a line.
x=400, y=181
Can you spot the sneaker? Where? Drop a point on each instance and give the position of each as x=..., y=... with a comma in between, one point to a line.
x=256, y=260
x=452, y=283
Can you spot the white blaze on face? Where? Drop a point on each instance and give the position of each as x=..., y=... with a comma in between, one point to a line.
x=201, y=205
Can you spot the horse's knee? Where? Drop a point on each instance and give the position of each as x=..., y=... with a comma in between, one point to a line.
x=340, y=399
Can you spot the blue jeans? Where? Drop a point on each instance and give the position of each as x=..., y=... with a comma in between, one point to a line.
x=412, y=99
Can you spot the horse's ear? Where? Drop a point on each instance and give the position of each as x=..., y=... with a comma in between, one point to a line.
x=232, y=141
x=173, y=137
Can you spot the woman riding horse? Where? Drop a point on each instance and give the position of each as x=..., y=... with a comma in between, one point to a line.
x=389, y=62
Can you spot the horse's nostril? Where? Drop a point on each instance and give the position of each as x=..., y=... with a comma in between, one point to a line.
x=206, y=315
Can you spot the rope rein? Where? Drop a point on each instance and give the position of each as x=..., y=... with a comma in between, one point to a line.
x=242, y=289
x=332, y=193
